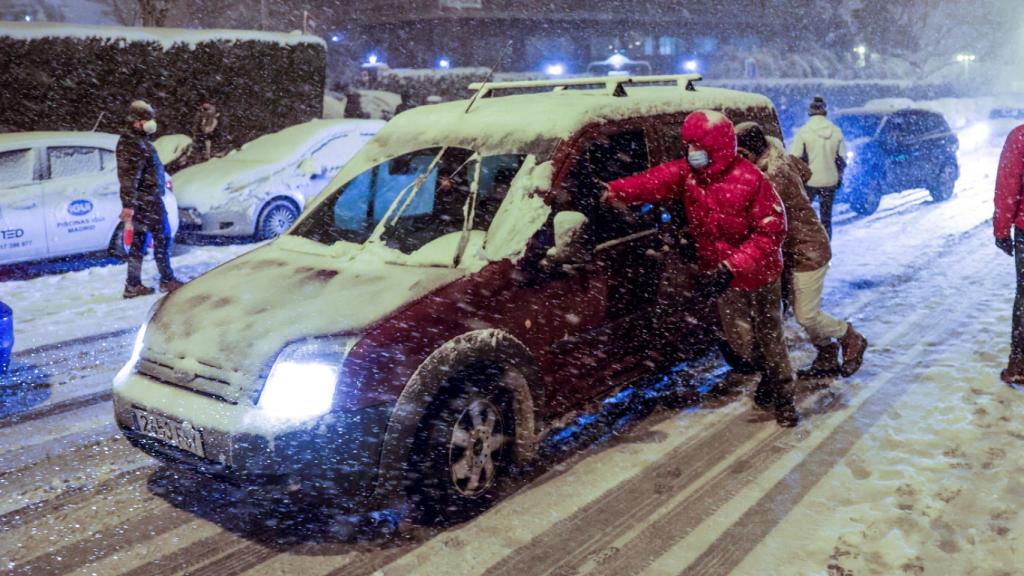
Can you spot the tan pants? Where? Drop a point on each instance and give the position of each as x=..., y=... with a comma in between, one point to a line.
x=752, y=324
x=807, y=289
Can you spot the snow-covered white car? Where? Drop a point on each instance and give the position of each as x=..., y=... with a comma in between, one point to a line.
x=454, y=291
x=59, y=195
x=260, y=189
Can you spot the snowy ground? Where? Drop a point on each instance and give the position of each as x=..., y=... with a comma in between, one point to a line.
x=915, y=466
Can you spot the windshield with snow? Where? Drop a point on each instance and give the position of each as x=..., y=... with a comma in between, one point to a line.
x=415, y=199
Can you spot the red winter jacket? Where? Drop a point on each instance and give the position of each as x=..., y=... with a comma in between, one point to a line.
x=1010, y=185
x=734, y=214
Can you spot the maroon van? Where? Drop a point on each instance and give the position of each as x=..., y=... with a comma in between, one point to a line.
x=454, y=290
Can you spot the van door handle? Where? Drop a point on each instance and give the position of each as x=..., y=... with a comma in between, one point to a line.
x=25, y=206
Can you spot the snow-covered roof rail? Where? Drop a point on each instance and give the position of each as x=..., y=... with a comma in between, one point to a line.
x=613, y=85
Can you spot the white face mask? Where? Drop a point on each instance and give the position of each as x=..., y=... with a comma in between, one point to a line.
x=149, y=126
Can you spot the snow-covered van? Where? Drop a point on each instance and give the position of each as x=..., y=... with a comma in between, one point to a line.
x=455, y=290
x=59, y=195
x=260, y=189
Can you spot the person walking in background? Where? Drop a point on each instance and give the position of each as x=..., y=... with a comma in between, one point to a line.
x=806, y=254
x=1009, y=214
x=142, y=179
x=208, y=132
x=821, y=145
x=738, y=223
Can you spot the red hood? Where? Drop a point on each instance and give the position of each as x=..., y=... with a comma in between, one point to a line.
x=714, y=133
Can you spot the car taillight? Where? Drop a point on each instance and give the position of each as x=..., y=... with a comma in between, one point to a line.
x=170, y=184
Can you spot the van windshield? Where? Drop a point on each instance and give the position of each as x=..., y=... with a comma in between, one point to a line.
x=415, y=199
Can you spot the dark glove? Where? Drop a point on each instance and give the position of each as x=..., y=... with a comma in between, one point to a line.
x=714, y=283
x=1005, y=244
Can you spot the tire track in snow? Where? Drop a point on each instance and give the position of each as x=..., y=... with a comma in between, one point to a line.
x=619, y=511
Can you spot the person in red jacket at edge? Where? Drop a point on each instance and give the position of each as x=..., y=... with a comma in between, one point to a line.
x=1009, y=213
x=739, y=224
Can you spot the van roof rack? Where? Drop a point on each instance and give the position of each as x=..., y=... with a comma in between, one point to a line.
x=613, y=85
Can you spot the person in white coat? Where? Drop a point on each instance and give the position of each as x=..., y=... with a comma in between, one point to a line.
x=821, y=145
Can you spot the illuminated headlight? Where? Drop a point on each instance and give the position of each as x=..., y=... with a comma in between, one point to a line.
x=304, y=379
x=140, y=341
x=849, y=156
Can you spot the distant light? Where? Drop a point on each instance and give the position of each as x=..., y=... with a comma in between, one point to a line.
x=335, y=38
x=965, y=57
x=690, y=65
x=444, y=63
x=617, y=60
x=28, y=17
x=861, y=49
x=555, y=69
x=372, y=59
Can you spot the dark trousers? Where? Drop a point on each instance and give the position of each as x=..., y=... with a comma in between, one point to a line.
x=752, y=325
x=826, y=197
x=1017, y=334
x=157, y=226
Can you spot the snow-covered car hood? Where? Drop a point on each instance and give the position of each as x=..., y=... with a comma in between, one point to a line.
x=239, y=315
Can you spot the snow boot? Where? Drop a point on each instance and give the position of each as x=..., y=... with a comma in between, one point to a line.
x=853, y=345
x=764, y=395
x=1013, y=374
x=170, y=285
x=131, y=291
x=825, y=365
x=786, y=415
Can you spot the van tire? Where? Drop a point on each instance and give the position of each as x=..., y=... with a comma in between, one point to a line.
x=945, y=184
x=866, y=200
x=462, y=452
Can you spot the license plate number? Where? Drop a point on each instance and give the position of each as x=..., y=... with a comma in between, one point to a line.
x=179, y=434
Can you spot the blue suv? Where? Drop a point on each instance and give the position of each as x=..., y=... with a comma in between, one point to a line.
x=895, y=150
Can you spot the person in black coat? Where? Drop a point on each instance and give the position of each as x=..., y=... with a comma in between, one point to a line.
x=143, y=182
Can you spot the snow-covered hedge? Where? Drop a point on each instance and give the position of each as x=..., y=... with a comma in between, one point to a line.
x=64, y=77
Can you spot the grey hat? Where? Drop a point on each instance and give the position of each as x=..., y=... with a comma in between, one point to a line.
x=818, y=107
x=140, y=110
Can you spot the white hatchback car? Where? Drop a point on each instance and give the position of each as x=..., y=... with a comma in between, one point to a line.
x=260, y=189
x=59, y=195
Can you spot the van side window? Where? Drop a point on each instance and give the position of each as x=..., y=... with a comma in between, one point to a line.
x=69, y=161
x=16, y=167
x=607, y=158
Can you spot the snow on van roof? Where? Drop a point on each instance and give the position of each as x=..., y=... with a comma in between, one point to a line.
x=166, y=37
x=203, y=185
x=535, y=123
x=12, y=140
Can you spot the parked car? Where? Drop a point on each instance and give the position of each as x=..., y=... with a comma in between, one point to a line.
x=895, y=150
x=59, y=195
x=455, y=290
x=6, y=336
x=260, y=189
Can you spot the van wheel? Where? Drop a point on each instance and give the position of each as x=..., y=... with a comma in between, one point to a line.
x=944, y=185
x=276, y=218
x=866, y=200
x=462, y=452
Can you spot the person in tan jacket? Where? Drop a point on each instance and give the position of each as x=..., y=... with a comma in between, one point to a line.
x=806, y=254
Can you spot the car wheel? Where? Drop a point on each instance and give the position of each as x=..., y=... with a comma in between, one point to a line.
x=943, y=188
x=277, y=217
x=462, y=451
x=866, y=200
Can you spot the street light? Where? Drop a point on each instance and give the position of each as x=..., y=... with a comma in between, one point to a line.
x=444, y=63
x=862, y=53
x=690, y=65
x=966, y=58
x=554, y=69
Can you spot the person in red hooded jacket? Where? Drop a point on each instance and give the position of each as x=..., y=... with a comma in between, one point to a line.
x=738, y=223
x=1009, y=213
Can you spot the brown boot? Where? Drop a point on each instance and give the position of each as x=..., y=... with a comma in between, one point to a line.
x=170, y=285
x=825, y=365
x=136, y=290
x=1013, y=374
x=853, y=345
x=786, y=415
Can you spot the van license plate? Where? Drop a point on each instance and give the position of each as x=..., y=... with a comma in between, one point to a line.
x=180, y=434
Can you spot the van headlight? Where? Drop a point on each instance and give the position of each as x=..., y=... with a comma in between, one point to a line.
x=140, y=341
x=304, y=379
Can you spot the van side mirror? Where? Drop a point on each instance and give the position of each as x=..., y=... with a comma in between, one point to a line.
x=571, y=248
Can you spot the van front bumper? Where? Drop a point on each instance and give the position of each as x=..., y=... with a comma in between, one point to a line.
x=339, y=454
